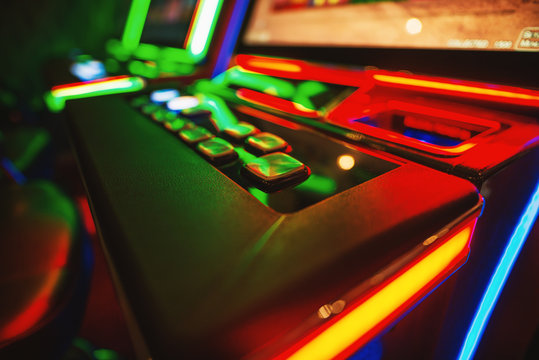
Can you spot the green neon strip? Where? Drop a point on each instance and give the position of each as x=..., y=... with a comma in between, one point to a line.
x=259, y=82
x=203, y=28
x=55, y=99
x=135, y=24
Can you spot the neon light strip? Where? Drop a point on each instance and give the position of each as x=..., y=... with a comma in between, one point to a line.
x=108, y=86
x=467, y=90
x=135, y=24
x=382, y=307
x=302, y=70
x=499, y=277
x=56, y=98
x=204, y=25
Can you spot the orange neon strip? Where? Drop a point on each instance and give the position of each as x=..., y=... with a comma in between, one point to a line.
x=510, y=95
x=363, y=321
x=270, y=65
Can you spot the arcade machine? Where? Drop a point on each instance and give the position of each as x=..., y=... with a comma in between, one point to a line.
x=296, y=209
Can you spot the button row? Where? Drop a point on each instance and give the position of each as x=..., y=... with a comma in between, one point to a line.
x=271, y=171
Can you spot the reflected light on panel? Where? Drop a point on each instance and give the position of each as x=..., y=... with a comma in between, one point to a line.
x=346, y=162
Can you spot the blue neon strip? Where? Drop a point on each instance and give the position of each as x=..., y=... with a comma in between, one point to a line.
x=231, y=35
x=497, y=281
x=12, y=171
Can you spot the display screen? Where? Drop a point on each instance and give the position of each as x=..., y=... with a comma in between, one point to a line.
x=500, y=25
x=168, y=22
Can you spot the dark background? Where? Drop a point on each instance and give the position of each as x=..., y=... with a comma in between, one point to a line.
x=34, y=32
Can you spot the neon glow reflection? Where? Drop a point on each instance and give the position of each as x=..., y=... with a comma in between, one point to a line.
x=499, y=277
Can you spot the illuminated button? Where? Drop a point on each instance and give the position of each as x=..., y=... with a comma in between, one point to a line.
x=163, y=95
x=177, y=125
x=264, y=143
x=275, y=171
x=195, y=134
x=240, y=131
x=182, y=102
x=163, y=115
x=150, y=108
x=140, y=101
x=217, y=150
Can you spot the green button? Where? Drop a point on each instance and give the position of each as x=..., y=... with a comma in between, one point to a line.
x=150, y=108
x=195, y=134
x=215, y=148
x=178, y=125
x=266, y=142
x=275, y=166
x=163, y=115
x=240, y=130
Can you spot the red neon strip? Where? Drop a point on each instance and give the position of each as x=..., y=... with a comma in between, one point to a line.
x=302, y=70
x=103, y=80
x=276, y=103
x=467, y=89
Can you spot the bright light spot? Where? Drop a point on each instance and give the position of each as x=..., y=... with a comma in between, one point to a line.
x=346, y=162
x=88, y=70
x=413, y=26
x=182, y=103
x=164, y=95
